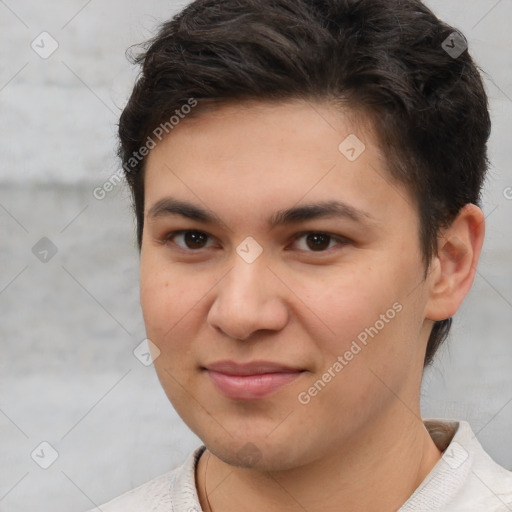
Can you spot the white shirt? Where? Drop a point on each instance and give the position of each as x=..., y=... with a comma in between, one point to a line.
x=465, y=479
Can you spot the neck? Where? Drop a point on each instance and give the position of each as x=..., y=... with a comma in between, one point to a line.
x=376, y=471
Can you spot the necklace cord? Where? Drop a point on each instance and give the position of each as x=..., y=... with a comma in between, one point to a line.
x=205, y=493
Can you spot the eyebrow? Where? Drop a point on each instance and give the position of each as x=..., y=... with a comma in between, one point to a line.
x=296, y=214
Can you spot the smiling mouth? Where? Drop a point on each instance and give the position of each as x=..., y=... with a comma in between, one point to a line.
x=250, y=381
x=250, y=387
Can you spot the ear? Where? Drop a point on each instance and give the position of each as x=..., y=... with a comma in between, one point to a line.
x=453, y=268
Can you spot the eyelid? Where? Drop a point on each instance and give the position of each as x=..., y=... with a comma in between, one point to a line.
x=170, y=236
x=342, y=240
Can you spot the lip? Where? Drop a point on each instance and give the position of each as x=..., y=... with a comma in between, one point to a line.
x=250, y=381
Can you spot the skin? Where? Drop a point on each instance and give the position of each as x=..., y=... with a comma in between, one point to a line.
x=296, y=305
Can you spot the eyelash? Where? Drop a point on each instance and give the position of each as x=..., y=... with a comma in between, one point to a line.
x=341, y=241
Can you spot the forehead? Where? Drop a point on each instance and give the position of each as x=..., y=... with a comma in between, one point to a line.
x=263, y=156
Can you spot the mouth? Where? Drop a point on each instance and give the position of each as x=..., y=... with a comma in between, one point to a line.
x=250, y=381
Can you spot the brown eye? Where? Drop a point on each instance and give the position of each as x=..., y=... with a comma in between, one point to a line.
x=195, y=239
x=192, y=240
x=318, y=241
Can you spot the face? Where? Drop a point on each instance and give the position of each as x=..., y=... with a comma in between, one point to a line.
x=282, y=282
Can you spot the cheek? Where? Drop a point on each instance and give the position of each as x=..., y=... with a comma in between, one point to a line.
x=155, y=300
x=368, y=316
x=344, y=303
x=168, y=301
x=172, y=301
x=164, y=297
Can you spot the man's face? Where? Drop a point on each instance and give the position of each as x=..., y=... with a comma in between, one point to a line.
x=337, y=298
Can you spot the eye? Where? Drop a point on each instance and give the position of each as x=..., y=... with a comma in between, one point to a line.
x=190, y=240
x=318, y=241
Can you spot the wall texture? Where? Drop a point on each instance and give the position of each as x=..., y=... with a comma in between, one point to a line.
x=69, y=314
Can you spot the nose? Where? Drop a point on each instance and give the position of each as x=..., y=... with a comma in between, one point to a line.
x=249, y=299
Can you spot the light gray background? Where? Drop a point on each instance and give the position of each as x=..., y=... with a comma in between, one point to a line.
x=69, y=326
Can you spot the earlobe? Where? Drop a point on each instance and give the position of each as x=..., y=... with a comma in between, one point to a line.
x=457, y=257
